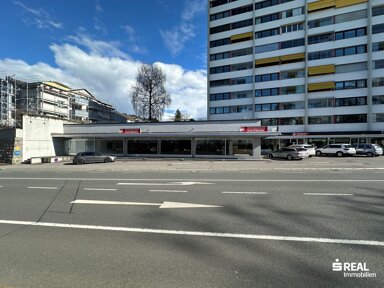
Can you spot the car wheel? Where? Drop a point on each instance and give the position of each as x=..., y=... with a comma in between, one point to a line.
x=290, y=157
x=270, y=156
x=339, y=154
x=318, y=153
x=107, y=160
x=80, y=161
x=369, y=154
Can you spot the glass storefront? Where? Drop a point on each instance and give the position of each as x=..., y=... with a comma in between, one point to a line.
x=176, y=147
x=210, y=147
x=273, y=144
x=318, y=142
x=80, y=145
x=379, y=141
x=103, y=146
x=142, y=147
x=112, y=147
x=242, y=147
x=341, y=140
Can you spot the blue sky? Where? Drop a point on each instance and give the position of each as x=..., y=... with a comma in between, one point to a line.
x=98, y=45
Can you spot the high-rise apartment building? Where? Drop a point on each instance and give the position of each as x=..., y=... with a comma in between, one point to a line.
x=304, y=66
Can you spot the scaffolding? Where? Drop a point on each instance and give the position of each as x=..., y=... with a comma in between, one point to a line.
x=49, y=99
x=7, y=102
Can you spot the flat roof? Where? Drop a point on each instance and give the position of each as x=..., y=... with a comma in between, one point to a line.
x=198, y=122
x=166, y=135
x=222, y=129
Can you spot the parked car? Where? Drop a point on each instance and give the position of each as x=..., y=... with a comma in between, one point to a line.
x=310, y=148
x=339, y=150
x=92, y=157
x=369, y=150
x=289, y=153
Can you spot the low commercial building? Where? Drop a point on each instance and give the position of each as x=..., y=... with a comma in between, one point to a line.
x=50, y=138
x=223, y=139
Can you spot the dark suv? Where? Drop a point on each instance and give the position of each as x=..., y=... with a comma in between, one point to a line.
x=92, y=157
x=369, y=150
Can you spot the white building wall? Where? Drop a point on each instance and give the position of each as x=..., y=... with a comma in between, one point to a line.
x=36, y=134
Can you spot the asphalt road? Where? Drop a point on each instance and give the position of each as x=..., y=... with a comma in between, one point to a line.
x=130, y=224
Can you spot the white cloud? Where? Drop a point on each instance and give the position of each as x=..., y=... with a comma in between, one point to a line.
x=188, y=90
x=98, y=47
x=108, y=73
x=38, y=17
x=130, y=32
x=99, y=26
x=134, y=40
x=176, y=38
x=99, y=8
x=193, y=8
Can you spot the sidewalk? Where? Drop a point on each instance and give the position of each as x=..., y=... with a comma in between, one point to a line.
x=197, y=165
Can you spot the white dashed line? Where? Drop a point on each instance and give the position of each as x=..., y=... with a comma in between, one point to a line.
x=169, y=191
x=230, y=192
x=328, y=194
x=100, y=189
x=49, y=188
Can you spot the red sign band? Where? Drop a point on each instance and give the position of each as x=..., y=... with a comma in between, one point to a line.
x=130, y=131
x=254, y=129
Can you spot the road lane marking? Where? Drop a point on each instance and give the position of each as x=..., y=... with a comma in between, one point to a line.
x=169, y=191
x=49, y=188
x=230, y=192
x=164, y=205
x=165, y=184
x=328, y=194
x=210, y=180
x=99, y=202
x=198, y=233
x=100, y=189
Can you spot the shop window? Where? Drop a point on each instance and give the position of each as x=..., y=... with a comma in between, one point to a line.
x=142, y=146
x=176, y=147
x=210, y=147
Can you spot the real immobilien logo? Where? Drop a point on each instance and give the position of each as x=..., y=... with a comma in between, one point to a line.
x=353, y=269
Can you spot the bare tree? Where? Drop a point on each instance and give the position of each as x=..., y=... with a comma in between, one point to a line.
x=149, y=96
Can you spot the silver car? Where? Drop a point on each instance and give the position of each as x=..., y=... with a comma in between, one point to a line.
x=369, y=150
x=289, y=153
x=339, y=150
x=310, y=148
x=92, y=157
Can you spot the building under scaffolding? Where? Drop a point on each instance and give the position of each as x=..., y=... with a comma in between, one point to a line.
x=7, y=102
x=51, y=99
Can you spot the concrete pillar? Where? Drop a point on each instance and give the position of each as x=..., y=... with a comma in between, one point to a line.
x=230, y=147
x=158, y=147
x=193, y=147
x=256, y=148
x=125, y=147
